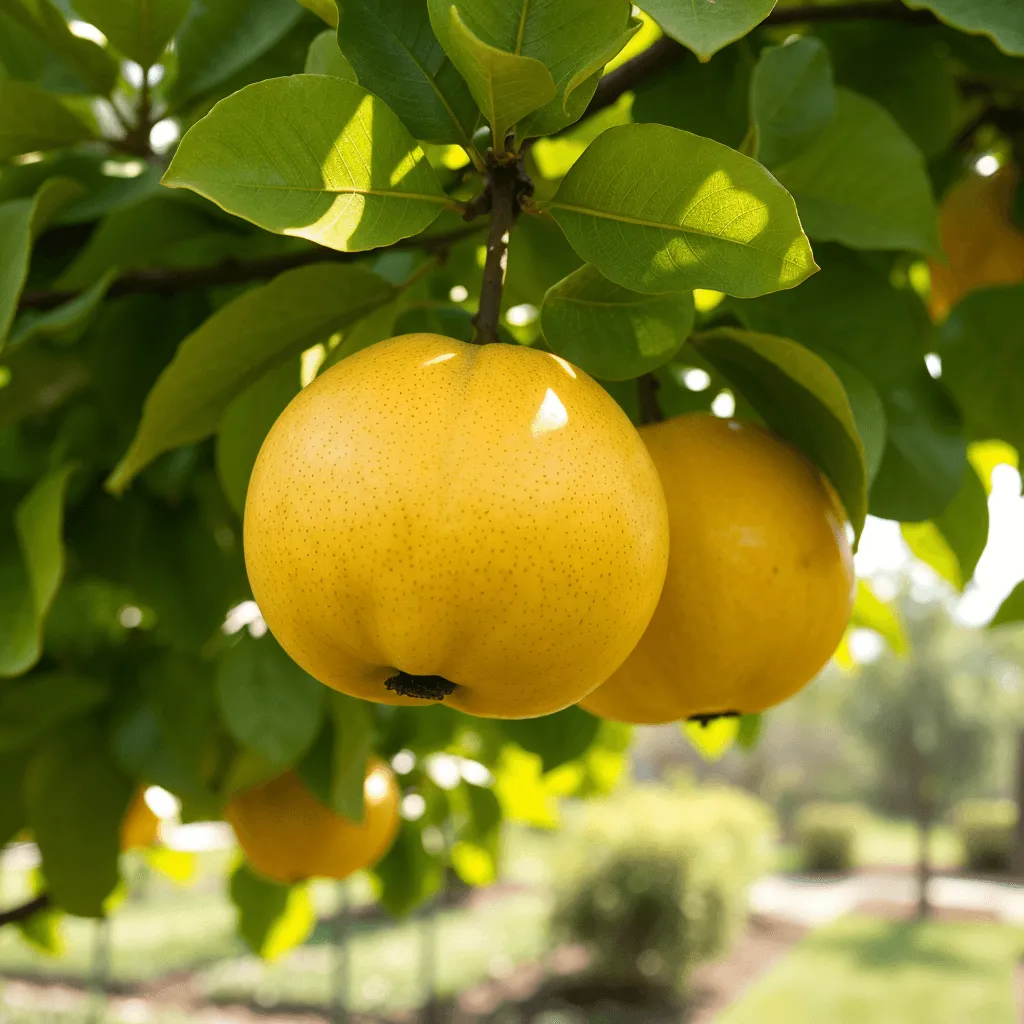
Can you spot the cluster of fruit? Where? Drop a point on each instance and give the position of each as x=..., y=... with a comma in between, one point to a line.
x=431, y=520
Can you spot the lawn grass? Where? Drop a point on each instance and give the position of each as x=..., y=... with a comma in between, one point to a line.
x=867, y=971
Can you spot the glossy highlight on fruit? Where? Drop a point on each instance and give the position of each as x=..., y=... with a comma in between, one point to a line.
x=484, y=519
x=760, y=581
x=288, y=835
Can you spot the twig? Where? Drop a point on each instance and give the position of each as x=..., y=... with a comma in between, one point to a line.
x=22, y=913
x=168, y=280
x=647, y=392
x=506, y=185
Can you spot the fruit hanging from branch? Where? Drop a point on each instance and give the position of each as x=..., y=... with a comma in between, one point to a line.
x=432, y=520
x=760, y=578
x=288, y=835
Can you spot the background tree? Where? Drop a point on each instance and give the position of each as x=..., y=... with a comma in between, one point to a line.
x=932, y=721
x=348, y=176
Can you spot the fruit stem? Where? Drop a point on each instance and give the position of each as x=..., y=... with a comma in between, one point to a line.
x=706, y=720
x=422, y=687
x=647, y=391
x=507, y=184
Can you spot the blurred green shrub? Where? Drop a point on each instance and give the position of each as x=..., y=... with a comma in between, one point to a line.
x=985, y=830
x=656, y=879
x=827, y=835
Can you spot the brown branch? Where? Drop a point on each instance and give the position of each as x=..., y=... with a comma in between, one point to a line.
x=647, y=392
x=506, y=185
x=22, y=913
x=666, y=51
x=168, y=280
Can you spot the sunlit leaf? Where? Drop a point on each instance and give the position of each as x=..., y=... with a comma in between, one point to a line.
x=312, y=156
x=656, y=209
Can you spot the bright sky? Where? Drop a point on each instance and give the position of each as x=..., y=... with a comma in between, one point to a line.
x=882, y=552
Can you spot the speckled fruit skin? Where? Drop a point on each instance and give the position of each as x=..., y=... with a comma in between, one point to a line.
x=486, y=514
x=760, y=580
x=288, y=835
x=140, y=827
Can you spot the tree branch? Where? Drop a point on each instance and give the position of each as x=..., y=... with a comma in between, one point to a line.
x=168, y=280
x=506, y=185
x=666, y=51
x=18, y=914
x=647, y=392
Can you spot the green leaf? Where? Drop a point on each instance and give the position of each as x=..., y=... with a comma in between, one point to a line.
x=506, y=86
x=42, y=931
x=1012, y=609
x=407, y=874
x=476, y=851
x=63, y=323
x=868, y=412
x=851, y=310
x=90, y=67
x=39, y=522
x=982, y=349
x=792, y=98
x=33, y=706
x=862, y=182
x=244, y=425
x=220, y=37
x=869, y=612
x=558, y=738
x=239, y=343
x=393, y=49
x=905, y=69
x=31, y=568
x=21, y=220
x=31, y=119
x=709, y=99
x=711, y=739
x=953, y=542
x=267, y=702
x=705, y=26
x=138, y=235
x=656, y=209
x=751, y=727
x=610, y=331
x=1000, y=20
x=13, y=813
x=572, y=40
x=335, y=767
x=324, y=58
x=312, y=156
x=272, y=918
x=326, y=10
x=76, y=798
x=801, y=399
x=161, y=732
x=140, y=29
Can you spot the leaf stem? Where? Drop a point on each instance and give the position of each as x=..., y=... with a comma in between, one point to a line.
x=507, y=184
